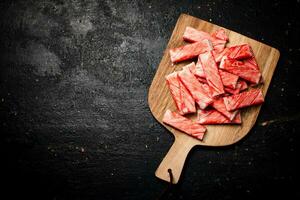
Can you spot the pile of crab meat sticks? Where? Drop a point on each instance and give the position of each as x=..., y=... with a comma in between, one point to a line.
x=216, y=87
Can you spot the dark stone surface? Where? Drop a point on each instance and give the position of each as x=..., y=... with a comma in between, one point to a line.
x=74, y=116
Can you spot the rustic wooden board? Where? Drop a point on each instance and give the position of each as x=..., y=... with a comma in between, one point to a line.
x=159, y=97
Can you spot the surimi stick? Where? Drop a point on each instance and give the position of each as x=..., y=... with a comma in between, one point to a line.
x=229, y=80
x=240, y=52
x=214, y=117
x=240, y=69
x=211, y=72
x=219, y=105
x=199, y=94
x=184, y=124
x=193, y=35
x=244, y=99
x=189, y=51
x=184, y=101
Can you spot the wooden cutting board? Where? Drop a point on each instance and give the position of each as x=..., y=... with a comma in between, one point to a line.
x=159, y=97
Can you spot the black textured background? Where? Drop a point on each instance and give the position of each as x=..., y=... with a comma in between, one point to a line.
x=74, y=116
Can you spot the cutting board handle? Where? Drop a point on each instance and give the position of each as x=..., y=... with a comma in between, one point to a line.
x=174, y=160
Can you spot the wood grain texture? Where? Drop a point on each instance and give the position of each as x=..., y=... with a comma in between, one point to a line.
x=159, y=97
